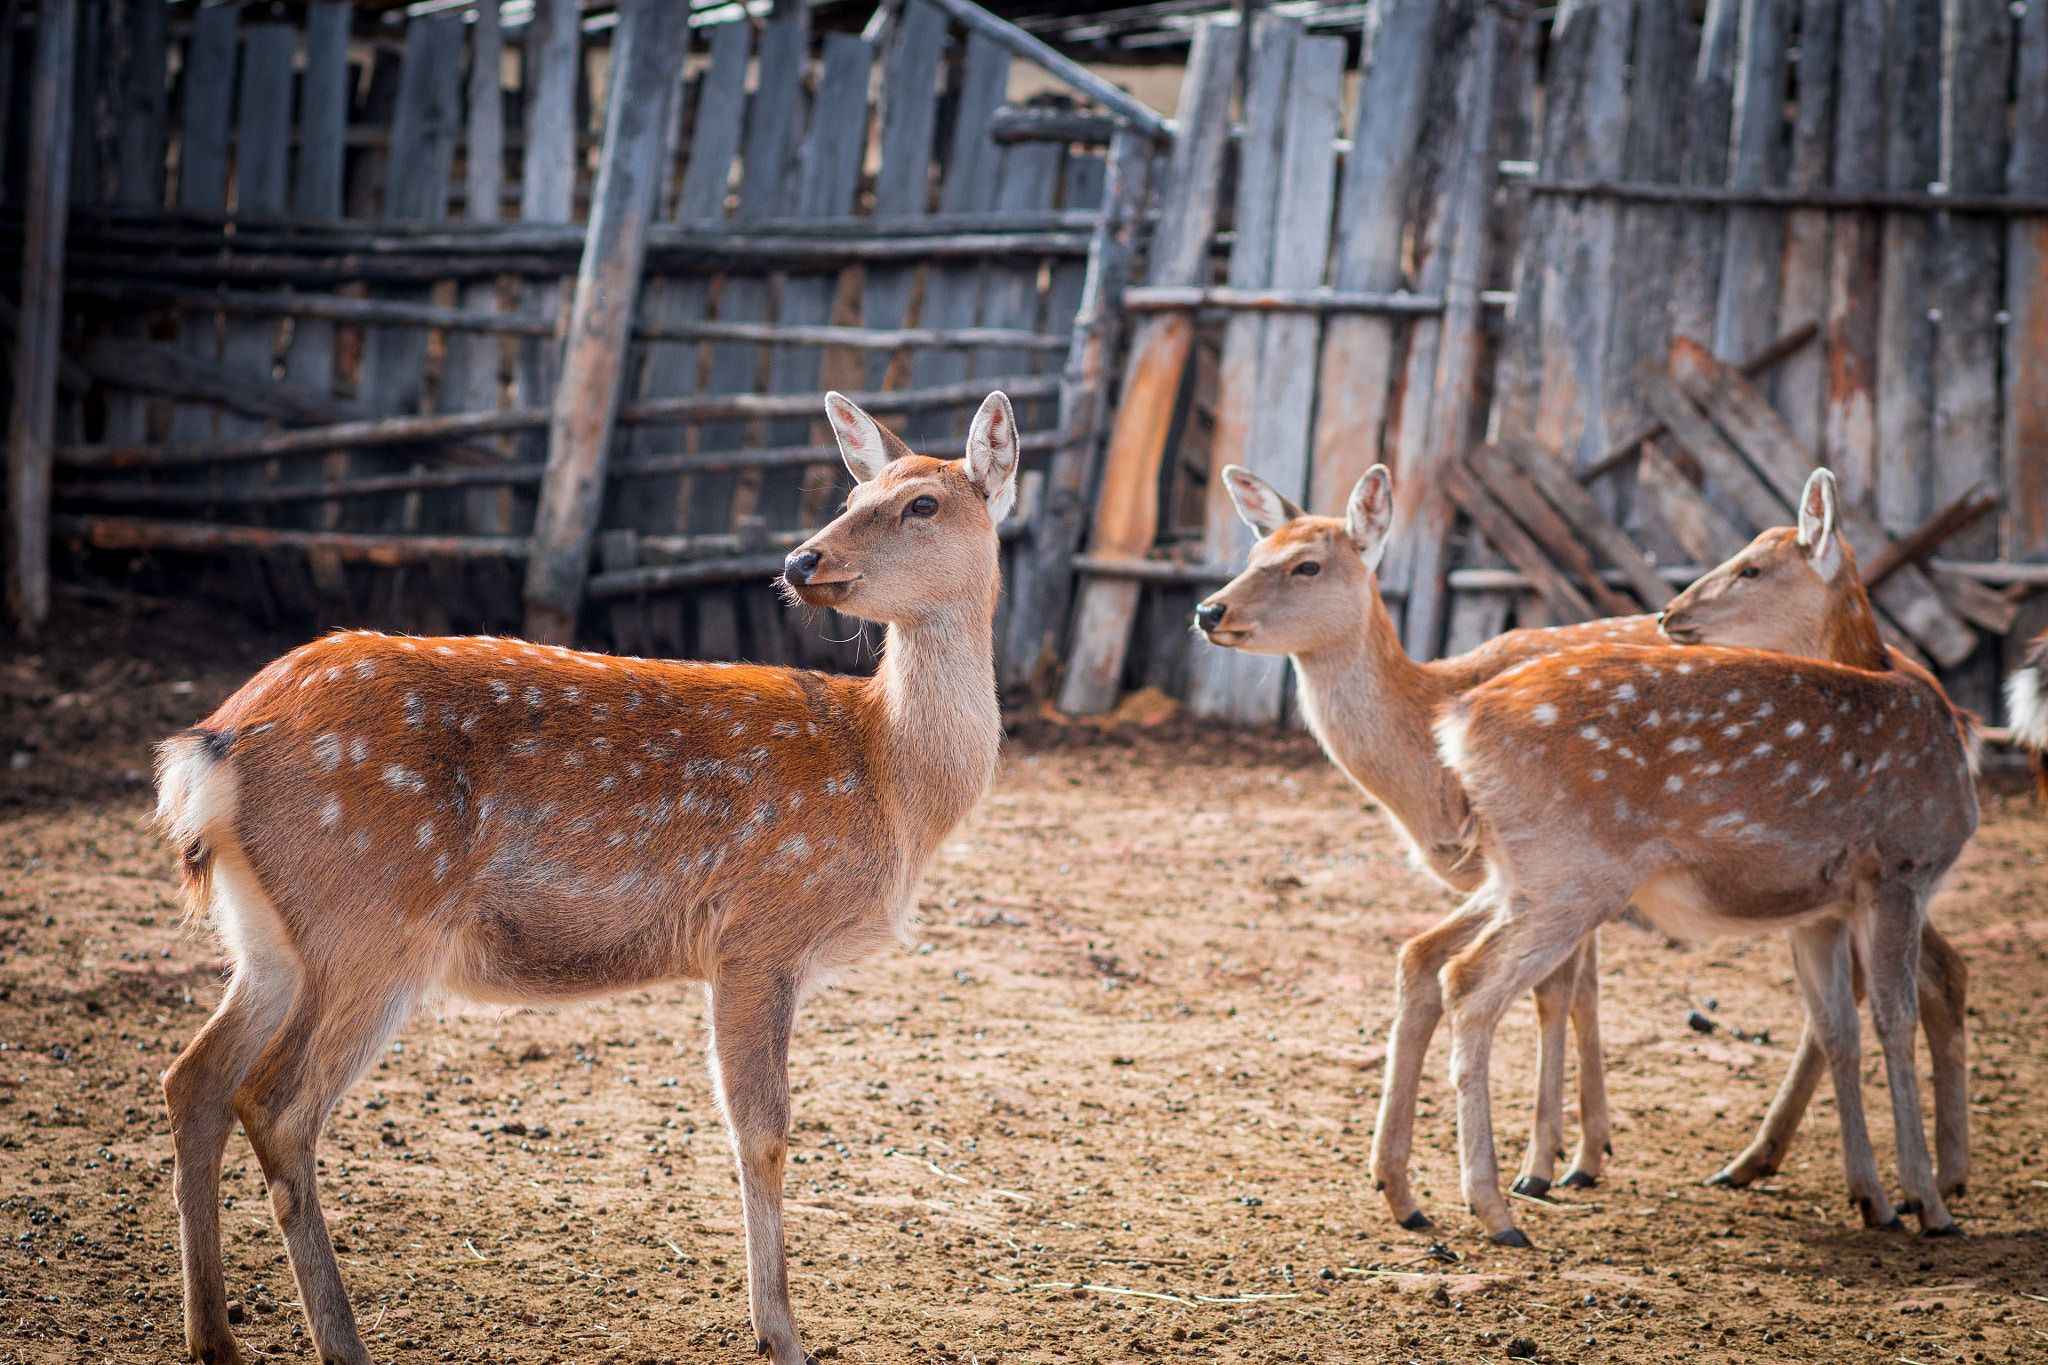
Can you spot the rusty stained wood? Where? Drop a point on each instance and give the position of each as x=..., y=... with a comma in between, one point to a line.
x=1127, y=506
x=647, y=55
x=1800, y=387
x=1849, y=444
x=1696, y=524
x=32, y=418
x=1696, y=277
x=2024, y=429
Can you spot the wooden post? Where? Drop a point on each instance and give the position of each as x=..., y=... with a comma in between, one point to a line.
x=1801, y=386
x=1850, y=434
x=31, y=425
x=1127, y=508
x=1745, y=314
x=1905, y=333
x=547, y=185
x=2025, y=433
x=470, y=372
x=646, y=60
x=1696, y=275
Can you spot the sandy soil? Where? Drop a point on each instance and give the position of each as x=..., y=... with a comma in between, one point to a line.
x=1115, y=1103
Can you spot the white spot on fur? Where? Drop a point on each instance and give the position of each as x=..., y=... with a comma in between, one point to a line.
x=327, y=749
x=443, y=649
x=366, y=668
x=415, y=710
x=424, y=835
x=1544, y=714
x=1795, y=729
x=501, y=690
x=1626, y=692
x=330, y=812
x=403, y=779
x=359, y=749
x=533, y=697
x=1674, y=783
x=1684, y=744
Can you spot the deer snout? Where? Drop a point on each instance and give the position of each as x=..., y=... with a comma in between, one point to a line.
x=799, y=566
x=1210, y=615
x=1676, y=630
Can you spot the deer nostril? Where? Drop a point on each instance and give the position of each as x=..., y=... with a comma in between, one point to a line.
x=800, y=565
x=1210, y=615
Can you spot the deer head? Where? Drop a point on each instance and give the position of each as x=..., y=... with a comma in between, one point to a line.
x=1310, y=580
x=918, y=535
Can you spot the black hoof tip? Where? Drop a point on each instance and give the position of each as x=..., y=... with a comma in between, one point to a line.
x=1724, y=1180
x=1417, y=1221
x=1513, y=1237
x=1945, y=1230
x=1897, y=1224
x=1534, y=1186
x=1579, y=1180
x=761, y=1347
x=1959, y=1191
x=1607, y=1147
x=1908, y=1207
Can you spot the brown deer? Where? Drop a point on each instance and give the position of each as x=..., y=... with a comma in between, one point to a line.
x=376, y=821
x=1370, y=706
x=1719, y=791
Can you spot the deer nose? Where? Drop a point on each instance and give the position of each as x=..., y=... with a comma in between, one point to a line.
x=1210, y=614
x=801, y=564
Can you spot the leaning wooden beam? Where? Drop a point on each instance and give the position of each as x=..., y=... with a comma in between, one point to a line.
x=390, y=431
x=1624, y=450
x=1501, y=531
x=647, y=58
x=32, y=421
x=1924, y=539
x=1588, y=518
x=165, y=368
x=205, y=537
x=1032, y=124
x=1785, y=197
x=1034, y=50
x=1156, y=297
x=1519, y=494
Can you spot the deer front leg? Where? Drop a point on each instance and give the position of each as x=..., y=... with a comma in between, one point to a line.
x=1596, y=1124
x=1944, y=991
x=752, y=1015
x=1821, y=957
x=1554, y=997
x=1891, y=938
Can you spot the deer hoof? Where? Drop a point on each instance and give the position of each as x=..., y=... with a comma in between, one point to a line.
x=1417, y=1221
x=1944, y=1230
x=1512, y=1237
x=1579, y=1180
x=1897, y=1224
x=1534, y=1186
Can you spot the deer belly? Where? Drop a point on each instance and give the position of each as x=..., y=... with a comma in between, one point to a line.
x=1685, y=905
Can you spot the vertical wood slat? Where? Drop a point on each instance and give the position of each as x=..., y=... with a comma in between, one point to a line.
x=547, y=187
x=317, y=194
x=208, y=81
x=1853, y=255
x=32, y=418
x=92, y=64
x=262, y=155
x=1905, y=349
x=1357, y=364
x=469, y=374
x=1127, y=506
x=1976, y=60
x=647, y=57
x=1696, y=280
x=1801, y=381
x=1745, y=313
x=903, y=182
x=1041, y=609
x=2024, y=430
x=142, y=114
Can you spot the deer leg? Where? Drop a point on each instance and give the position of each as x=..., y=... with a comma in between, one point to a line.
x=1766, y=1151
x=1418, y=1005
x=1514, y=952
x=752, y=1016
x=329, y=1040
x=199, y=1092
x=1596, y=1126
x=1822, y=959
x=1554, y=996
x=1891, y=940
x=1944, y=989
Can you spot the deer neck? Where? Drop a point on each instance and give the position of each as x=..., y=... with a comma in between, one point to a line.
x=1849, y=633
x=933, y=700
x=1372, y=707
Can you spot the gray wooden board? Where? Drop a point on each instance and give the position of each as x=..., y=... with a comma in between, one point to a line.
x=1977, y=55
x=547, y=188
x=316, y=194
x=208, y=83
x=1695, y=282
x=1278, y=445
x=1800, y=384
x=1850, y=430
x=1745, y=314
x=1706, y=535
x=902, y=183
x=1905, y=334
x=139, y=151
x=469, y=373
x=262, y=153
x=2024, y=429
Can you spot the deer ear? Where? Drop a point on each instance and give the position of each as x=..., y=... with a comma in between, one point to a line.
x=1264, y=508
x=862, y=442
x=1369, y=513
x=992, y=454
x=1817, y=524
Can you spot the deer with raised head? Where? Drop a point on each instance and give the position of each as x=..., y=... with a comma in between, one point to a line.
x=373, y=822
x=1310, y=591
x=1719, y=791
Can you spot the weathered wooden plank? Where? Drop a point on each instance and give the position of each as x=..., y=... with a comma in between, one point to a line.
x=324, y=97
x=1031, y=176
x=166, y=368
x=1905, y=332
x=32, y=416
x=1696, y=524
x=1745, y=312
x=262, y=156
x=1358, y=356
x=547, y=185
x=1929, y=536
x=1691, y=430
x=209, y=82
x=1800, y=386
x=1491, y=520
x=910, y=73
x=2024, y=430
x=1127, y=506
x=1696, y=282
x=1587, y=518
x=1976, y=62
x=1850, y=447
x=1515, y=491
x=139, y=151
x=647, y=56
x=469, y=374
x=204, y=537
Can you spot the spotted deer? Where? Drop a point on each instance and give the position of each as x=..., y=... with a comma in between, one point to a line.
x=1310, y=591
x=1719, y=791
x=373, y=822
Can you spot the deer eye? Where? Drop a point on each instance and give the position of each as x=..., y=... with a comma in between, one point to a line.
x=1308, y=568
x=923, y=506
x=1747, y=571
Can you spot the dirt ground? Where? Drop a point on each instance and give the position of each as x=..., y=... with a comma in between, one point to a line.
x=1115, y=1103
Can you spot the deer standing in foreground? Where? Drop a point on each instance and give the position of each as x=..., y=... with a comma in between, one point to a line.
x=1719, y=791
x=1310, y=591
x=374, y=821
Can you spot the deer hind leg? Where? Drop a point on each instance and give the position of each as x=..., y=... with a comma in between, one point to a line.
x=328, y=1041
x=1890, y=939
x=1418, y=1005
x=199, y=1090
x=1766, y=1151
x=752, y=1016
x=1555, y=995
x=1944, y=991
x=1824, y=963
x=1596, y=1126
